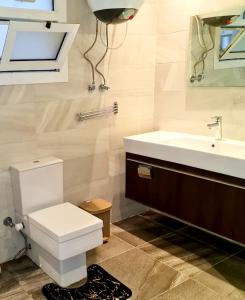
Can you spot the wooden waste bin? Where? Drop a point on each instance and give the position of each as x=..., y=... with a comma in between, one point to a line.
x=101, y=209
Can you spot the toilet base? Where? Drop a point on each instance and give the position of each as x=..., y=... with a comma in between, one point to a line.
x=63, y=272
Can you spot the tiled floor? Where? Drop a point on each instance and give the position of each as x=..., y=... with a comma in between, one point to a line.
x=157, y=257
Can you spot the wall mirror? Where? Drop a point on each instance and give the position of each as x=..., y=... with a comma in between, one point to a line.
x=216, y=55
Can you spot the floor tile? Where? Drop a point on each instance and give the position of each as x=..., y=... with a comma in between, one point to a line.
x=138, y=230
x=19, y=296
x=34, y=287
x=8, y=285
x=153, y=256
x=30, y=278
x=19, y=266
x=38, y=296
x=215, y=241
x=241, y=254
x=146, y=277
x=226, y=278
x=236, y=295
x=163, y=220
x=189, y=290
x=115, y=246
x=183, y=253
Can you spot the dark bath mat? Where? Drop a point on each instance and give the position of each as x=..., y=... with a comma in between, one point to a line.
x=100, y=285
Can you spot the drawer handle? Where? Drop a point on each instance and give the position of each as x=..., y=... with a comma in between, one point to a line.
x=145, y=171
x=188, y=174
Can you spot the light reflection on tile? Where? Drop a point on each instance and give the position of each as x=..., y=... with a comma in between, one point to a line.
x=137, y=230
x=226, y=278
x=183, y=254
x=112, y=248
x=146, y=277
x=190, y=290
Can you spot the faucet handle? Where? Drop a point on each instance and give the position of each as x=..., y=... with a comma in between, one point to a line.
x=217, y=118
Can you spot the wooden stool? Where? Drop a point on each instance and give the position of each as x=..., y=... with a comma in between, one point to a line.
x=101, y=209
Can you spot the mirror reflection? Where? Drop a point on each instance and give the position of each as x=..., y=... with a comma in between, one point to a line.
x=217, y=49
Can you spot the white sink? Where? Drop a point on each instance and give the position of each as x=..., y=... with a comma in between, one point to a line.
x=225, y=157
x=220, y=148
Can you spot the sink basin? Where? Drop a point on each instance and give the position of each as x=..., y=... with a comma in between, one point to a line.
x=225, y=157
x=210, y=146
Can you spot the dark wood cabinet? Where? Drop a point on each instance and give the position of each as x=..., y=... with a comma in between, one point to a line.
x=212, y=201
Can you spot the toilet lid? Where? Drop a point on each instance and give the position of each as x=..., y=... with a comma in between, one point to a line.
x=64, y=222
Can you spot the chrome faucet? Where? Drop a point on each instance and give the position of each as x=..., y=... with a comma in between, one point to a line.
x=218, y=125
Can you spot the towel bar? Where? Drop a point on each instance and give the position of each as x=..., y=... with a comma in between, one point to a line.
x=98, y=113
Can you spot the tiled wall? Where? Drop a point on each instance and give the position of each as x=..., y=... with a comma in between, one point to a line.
x=39, y=120
x=178, y=107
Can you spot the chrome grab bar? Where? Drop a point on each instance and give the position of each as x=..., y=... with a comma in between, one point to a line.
x=98, y=113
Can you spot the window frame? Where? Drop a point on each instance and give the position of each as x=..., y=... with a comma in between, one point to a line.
x=232, y=60
x=4, y=23
x=34, y=77
x=228, y=54
x=58, y=15
x=6, y=65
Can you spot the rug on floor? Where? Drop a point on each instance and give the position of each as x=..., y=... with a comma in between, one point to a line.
x=100, y=285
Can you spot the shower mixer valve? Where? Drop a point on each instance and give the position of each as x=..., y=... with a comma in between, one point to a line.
x=104, y=87
x=9, y=223
x=198, y=78
x=92, y=87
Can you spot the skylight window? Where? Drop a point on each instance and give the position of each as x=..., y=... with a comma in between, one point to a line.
x=235, y=48
x=226, y=38
x=52, y=10
x=34, y=41
x=30, y=46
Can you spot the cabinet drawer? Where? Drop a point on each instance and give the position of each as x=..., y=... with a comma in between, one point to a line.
x=213, y=203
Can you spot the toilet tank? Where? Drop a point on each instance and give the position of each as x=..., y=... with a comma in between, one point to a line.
x=37, y=184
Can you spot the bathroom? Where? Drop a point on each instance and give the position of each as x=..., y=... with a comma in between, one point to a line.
x=155, y=256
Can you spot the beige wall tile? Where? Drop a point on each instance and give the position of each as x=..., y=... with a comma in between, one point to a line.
x=16, y=94
x=172, y=16
x=135, y=80
x=16, y=152
x=145, y=21
x=170, y=77
x=121, y=206
x=91, y=139
x=171, y=47
x=17, y=123
x=94, y=189
x=10, y=240
x=6, y=196
x=84, y=170
x=136, y=50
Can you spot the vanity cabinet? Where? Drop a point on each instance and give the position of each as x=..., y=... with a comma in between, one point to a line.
x=209, y=200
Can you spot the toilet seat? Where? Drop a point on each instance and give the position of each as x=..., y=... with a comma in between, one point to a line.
x=65, y=230
x=64, y=221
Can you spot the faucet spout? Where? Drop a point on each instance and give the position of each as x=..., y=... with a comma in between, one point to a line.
x=218, y=125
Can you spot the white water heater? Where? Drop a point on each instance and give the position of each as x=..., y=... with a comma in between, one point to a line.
x=115, y=11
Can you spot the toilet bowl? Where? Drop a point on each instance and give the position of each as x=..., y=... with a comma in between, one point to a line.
x=59, y=233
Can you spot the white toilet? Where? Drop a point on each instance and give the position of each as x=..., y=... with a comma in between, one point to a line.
x=60, y=233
